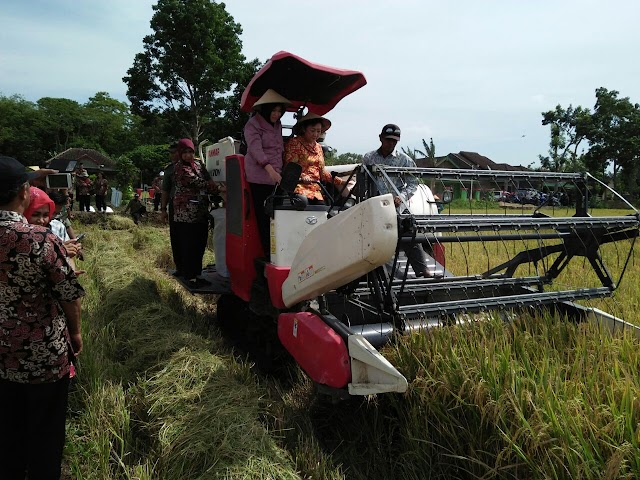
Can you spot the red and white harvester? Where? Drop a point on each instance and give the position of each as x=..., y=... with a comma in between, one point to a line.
x=338, y=287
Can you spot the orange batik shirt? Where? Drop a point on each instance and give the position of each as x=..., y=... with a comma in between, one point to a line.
x=311, y=159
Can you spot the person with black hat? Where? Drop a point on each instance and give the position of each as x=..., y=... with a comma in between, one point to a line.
x=39, y=334
x=406, y=186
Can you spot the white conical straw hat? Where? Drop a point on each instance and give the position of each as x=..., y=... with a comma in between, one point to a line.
x=271, y=96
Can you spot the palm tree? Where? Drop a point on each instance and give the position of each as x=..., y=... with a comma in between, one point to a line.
x=429, y=153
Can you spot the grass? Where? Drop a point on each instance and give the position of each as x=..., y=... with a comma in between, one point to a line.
x=160, y=395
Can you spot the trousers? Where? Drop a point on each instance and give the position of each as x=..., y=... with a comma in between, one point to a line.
x=32, y=426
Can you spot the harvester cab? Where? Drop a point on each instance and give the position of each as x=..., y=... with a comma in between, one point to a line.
x=338, y=285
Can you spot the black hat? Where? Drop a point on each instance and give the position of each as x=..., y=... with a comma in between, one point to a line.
x=13, y=173
x=391, y=130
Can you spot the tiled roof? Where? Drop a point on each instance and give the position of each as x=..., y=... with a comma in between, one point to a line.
x=470, y=160
x=93, y=160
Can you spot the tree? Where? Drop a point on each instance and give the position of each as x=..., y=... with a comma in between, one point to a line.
x=614, y=137
x=428, y=154
x=63, y=119
x=568, y=128
x=189, y=63
x=343, y=159
x=20, y=130
x=109, y=124
x=127, y=174
x=149, y=160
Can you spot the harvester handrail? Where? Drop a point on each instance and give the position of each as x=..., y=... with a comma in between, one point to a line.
x=496, y=223
x=457, y=174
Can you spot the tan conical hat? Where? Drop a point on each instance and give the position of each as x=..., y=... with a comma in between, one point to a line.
x=271, y=96
x=326, y=124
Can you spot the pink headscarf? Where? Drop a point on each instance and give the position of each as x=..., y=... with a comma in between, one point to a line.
x=38, y=199
x=184, y=144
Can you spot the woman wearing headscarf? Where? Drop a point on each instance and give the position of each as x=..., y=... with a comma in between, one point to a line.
x=263, y=161
x=190, y=212
x=41, y=211
x=305, y=150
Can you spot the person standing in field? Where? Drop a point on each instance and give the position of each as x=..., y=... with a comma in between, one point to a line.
x=101, y=189
x=405, y=184
x=156, y=185
x=191, y=211
x=83, y=187
x=166, y=207
x=39, y=335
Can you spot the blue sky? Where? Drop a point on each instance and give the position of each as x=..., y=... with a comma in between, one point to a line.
x=473, y=75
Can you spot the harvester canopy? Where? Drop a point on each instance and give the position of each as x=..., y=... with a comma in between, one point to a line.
x=305, y=84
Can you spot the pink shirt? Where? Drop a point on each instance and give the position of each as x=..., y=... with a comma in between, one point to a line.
x=264, y=147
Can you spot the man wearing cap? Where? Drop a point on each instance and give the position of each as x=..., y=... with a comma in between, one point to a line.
x=39, y=334
x=405, y=184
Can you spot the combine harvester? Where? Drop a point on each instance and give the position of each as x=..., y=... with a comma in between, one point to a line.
x=338, y=287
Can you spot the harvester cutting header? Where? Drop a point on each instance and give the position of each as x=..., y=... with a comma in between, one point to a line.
x=336, y=283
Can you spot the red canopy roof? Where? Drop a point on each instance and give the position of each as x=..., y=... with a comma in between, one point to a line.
x=303, y=83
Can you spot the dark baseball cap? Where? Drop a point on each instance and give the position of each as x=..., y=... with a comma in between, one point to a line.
x=13, y=173
x=391, y=130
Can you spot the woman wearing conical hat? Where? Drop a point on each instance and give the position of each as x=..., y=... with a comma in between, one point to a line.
x=263, y=161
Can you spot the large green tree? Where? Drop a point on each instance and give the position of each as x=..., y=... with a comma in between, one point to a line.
x=610, y=133
x=62, y=122
x=614, y=138
x=149, y=160
x=20, y=130
x=190, y=63
x=109, y=124
x=568, y=129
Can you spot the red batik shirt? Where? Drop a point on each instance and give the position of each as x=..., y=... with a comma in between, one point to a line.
x=190, y=201
x=311, y=159
x=35, y=276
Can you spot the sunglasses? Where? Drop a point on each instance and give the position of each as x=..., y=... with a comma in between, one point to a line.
x=393, y=131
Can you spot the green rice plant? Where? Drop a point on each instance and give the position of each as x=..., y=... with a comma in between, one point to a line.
x=538, y=398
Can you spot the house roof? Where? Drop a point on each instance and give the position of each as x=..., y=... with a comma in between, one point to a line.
x=93, y=160
x=471, y=160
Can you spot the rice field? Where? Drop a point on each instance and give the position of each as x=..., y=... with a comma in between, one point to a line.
x=160, y=394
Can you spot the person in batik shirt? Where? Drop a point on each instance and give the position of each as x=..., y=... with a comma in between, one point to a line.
x=39, y=334
x=305, y=150
x=101, y=189
x=191, y=211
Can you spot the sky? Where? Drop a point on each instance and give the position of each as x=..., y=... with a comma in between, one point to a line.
x=473, y=75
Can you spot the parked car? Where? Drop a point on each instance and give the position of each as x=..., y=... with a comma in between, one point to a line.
x=498, y=195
